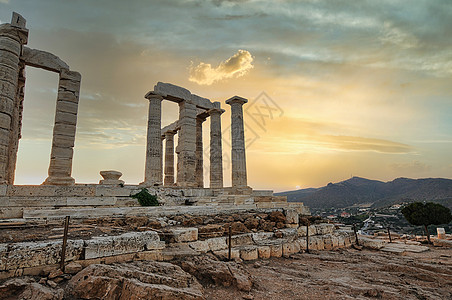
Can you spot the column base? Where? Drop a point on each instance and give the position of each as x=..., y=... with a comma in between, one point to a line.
x=146, y=184
x=53, y=180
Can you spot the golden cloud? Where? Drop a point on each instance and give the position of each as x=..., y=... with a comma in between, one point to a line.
x=235, y=66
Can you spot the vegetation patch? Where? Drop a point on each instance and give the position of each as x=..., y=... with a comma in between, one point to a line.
x=146, y=199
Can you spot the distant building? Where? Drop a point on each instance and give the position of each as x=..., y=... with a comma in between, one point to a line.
x=345, y=214
x=331, y=217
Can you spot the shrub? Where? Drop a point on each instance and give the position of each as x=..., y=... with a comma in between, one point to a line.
x=146, y=199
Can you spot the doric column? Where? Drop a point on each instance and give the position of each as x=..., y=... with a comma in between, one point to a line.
x=199, y=151
x=12, y=38
x=238, y=142
x=216, y=151
x=153, y=168
x=186, y=165
x=60, y=168
x=169, y=158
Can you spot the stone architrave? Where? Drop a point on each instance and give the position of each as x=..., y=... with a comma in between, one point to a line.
x=153, y=168
x=169, y=158
x=216, y=151
x=239, y=178
x=186, y=162
x=12, y=38
x=60, y=168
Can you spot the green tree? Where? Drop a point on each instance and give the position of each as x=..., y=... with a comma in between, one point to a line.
x=418, y=213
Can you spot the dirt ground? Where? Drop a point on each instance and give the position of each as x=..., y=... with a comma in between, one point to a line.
x=348, y=274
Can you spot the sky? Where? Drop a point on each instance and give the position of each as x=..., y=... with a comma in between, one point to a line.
x=335, y=88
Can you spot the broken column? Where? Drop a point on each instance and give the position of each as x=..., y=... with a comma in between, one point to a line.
x=238, y=142
x=12, y=38
x=60, y=168
x=186, y=165
x=169, y=158
x=216, y=151
x=153, y=168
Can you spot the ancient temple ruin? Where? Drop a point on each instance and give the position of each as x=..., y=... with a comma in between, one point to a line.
x=179, y=184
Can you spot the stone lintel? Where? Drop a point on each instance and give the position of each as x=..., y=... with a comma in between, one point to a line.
x=173, y=127
x=43, y=60
x=215, y=110
x=236, y=99
x=179, y=94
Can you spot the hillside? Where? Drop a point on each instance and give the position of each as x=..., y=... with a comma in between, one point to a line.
x=356, y=190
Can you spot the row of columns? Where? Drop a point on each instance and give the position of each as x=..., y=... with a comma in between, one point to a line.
x=190, y=145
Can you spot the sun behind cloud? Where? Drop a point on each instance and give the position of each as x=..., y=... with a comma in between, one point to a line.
x=235, y=66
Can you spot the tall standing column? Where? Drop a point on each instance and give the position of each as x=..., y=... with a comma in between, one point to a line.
x=199, y=169
x=169, y=158
x=186, y=147
x=216, y=151
x=153, y=168
x=238, y=142
x=60, y=168
x=12, y=38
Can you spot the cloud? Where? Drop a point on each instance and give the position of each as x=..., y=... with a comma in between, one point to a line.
x=235, y=66
x=410, y=167
x=4, y=2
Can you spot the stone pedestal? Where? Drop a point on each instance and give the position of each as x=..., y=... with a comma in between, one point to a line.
x=186, y=166
x=111, y=178
x=216, y=151
x=153, y=168
x=60, y=168
x=169, y=158
x=239, y=178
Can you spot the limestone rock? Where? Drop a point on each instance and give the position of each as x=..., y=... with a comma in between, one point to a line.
x=73, y=268
x=209, y=270
x=138, y=280
x=26, y=289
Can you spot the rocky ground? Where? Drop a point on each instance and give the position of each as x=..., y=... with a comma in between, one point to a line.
x=340, y=274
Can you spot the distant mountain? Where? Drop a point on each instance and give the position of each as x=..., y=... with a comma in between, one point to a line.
x=357, y=190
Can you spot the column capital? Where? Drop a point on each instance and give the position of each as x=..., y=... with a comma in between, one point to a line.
x=214, y=111
x=236, y=99
x=169, y=133
x=151, y=95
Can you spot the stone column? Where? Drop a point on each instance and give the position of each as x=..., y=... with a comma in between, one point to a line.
x=60, y=168
x=238, y=142
x=199, y=152
x=12, y=38
x=169, y=158
x=216, y=151
x=186, y=165
x=153, y=168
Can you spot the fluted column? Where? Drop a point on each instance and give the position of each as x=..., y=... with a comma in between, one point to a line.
x=238, y=155
x=60, y=168
x=169, y=158
x=186, y=147
x=216, y=151
x=199, y=152
x=12, y=38
x=153, y=167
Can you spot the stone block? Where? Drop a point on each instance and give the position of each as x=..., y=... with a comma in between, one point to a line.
x=182, y=235
x=264, y=252
x=63, y=140
x=111, y=177
x=242, y=239
x=325, y=228
x=200, y=246
x=249, y=253
x=441, y=233
x=262, y=237
x=371, y=243
x=65, y=118
x=90, y=201
x=289, y=232
x=276, y=250
x=302, y=243
x=291, y=216
x=32, y=254
x=223, y=254
x=42, y=59
x=68, y=96
x=216, y=244
x=328, y=242
x=5, y=120
x=335, y=241
x=3, y=189
x=6, y=105
x=59, y=152
x=9, y=45
x=107, y=191
x=172, y=91
x=262, y=193
x=290, y=248
x=126, y=243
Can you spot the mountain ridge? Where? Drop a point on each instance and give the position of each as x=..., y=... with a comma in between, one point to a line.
x=358, y=190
